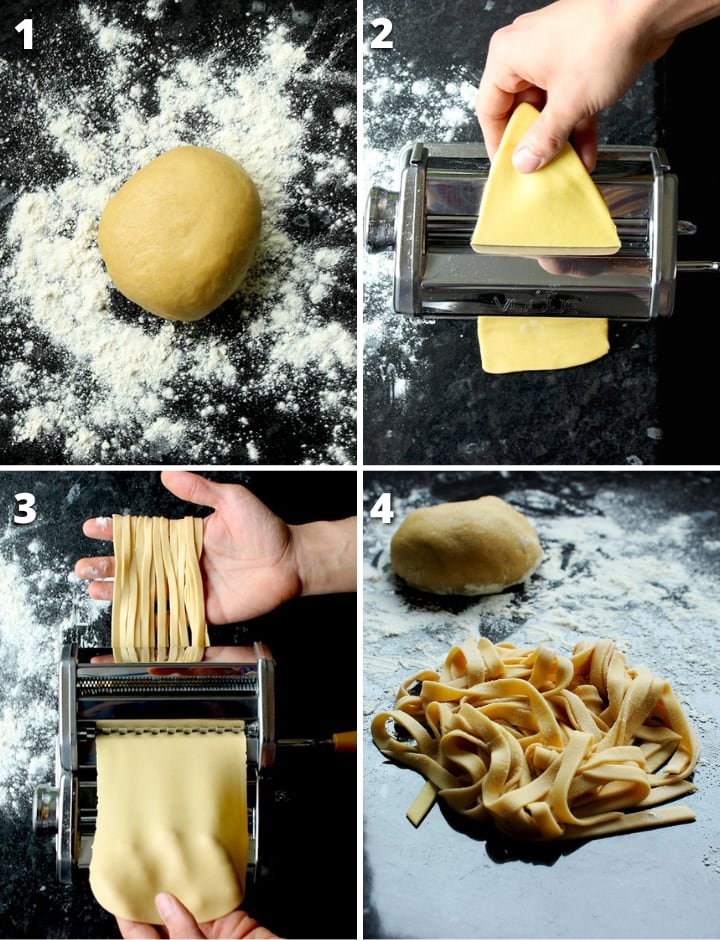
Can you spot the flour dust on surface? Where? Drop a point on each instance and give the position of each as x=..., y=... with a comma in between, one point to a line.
x=88, y=377
x=629, y=559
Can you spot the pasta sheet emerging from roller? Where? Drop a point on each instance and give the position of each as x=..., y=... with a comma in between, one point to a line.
x=544, y=746
x=172, y=816
x=158, y=610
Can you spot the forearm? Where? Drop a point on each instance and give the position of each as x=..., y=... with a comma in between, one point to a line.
x=661, y=20
x=326, y=554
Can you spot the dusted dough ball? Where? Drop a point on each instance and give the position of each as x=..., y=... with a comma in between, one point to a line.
x=479, y=546
x=179, y=236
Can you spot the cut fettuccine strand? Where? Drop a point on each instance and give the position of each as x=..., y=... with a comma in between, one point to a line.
x=542, y=745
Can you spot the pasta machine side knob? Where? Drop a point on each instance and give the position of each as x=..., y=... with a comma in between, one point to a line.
x=45, y=807
x=54, y=809
x=380, y=215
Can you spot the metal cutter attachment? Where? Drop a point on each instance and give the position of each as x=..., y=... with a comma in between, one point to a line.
x=94, y=692
x=430, y=220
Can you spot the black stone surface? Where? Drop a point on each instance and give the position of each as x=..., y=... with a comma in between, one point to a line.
x=447, y=878
x=63, y=59
x=636, y=405
x=688, y=341
x=311, y=888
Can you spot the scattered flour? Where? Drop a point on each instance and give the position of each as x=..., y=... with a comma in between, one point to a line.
x=614, y=567
x=431, y=110
x=42, y=607
x=617, y=565
x=88, y=378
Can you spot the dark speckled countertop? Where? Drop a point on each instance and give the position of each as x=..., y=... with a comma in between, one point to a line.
x=629, y=556
x=426, y=399
x=290, y=397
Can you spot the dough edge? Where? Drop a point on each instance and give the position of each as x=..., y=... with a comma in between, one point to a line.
x=414, y=571
x=118, y=250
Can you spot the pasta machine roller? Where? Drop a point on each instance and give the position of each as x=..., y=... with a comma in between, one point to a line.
x=429, y=222
x=92, y=692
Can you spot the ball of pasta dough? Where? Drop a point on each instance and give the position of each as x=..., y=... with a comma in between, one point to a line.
x=179, y=236
x=478, y=546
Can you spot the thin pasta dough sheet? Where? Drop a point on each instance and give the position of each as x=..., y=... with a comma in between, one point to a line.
x=172, y=816
x=535, y=344
x=158, y=611
x=542, y=745
x=557, y=210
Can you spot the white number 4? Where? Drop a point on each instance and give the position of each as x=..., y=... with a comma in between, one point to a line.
x=382, y=509
x=26, y=28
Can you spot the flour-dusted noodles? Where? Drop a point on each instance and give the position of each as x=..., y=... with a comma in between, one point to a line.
x=158, y=611
x=543, y=745
x=172, y=817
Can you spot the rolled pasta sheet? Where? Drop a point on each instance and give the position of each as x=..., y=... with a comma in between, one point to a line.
x=158, y=610
x=172, y=816
x=542, y=745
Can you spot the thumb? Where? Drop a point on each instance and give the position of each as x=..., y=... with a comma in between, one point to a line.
x=193, y=488
x=544, y=140
x=177, y=918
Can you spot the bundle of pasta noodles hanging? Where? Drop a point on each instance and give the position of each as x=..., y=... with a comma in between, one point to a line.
x=158, y=611
x=543, y=745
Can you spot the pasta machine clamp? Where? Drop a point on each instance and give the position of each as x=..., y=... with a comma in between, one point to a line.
x=429, y=221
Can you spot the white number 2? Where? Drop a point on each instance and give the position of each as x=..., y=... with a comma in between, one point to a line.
x=381, y=41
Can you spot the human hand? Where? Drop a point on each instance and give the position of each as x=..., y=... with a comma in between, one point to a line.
x=251, y=560
x=570, y=59
x=179, y=922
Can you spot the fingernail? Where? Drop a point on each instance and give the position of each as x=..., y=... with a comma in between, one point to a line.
x=525, y=161
x=164, y=904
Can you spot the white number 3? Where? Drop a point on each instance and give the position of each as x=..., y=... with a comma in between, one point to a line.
x=25, y=512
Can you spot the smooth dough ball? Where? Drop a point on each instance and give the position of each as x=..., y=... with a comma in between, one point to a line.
x=479, y=546
x=179, y=236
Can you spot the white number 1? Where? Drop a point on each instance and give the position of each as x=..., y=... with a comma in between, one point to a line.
x=26, y=28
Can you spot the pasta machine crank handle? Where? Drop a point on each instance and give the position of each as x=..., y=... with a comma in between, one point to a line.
x=697, y=267
x=342, y=742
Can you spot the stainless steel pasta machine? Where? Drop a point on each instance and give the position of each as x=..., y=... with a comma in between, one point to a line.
x=91, y=692
x=429, y=221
